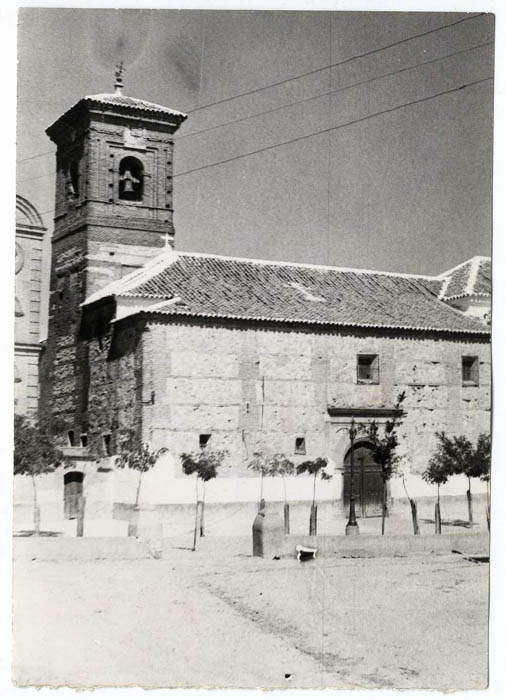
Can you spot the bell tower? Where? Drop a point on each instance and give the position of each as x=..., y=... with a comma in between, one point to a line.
x=113, y=212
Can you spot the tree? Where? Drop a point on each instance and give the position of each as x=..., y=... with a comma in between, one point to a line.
x=137, y=455
x=440, y=468
x=316, y=468
x=483, y=457
x=261, y=464
x=204, y=465
x=34, y=454
x=474, y=461
x=384, y=450
x=281, y=466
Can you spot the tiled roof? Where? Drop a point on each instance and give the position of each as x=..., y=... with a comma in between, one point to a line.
x=117, y=99
x=472, y=277
x=223, y=287
x=120, y=104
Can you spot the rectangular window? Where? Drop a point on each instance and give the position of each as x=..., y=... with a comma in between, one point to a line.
x=300, y=446
x=84, y=440
x=107, y=444
x=470, y=371
x=204, y=441
x=367, y=369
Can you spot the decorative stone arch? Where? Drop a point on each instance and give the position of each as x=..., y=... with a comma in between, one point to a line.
x=131, y=179
x=27, y=215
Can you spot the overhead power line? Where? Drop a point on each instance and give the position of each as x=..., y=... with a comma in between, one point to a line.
x=334, y=65
x=332, y=92
x=332, y=128
x=39, y=155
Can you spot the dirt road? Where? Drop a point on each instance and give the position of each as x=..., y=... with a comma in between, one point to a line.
x=203, y=620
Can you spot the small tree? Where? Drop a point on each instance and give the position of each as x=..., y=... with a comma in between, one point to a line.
x=34, y=454
x=281, y=466
x=440, y=468
x=461, y=456
x=316, y=468
x=137, y=455
x=204, y=465
x=384, y=451
x=483, y=455
x=477, y=465
x=261, y=464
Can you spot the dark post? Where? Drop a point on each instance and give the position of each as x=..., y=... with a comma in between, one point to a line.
x=352, y=526
x=80, y=515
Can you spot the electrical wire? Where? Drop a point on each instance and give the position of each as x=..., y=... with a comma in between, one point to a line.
x=334, y=65
x=332, y=128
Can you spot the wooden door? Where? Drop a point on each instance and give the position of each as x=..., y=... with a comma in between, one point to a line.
x=72, y=493
x=367, y=482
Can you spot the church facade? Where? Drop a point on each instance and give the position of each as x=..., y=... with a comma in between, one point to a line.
x=192, y=351
x=30, y=232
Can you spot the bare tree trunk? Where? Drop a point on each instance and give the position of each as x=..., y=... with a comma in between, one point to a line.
x=196, y=514
x=36, y=509
x=138, y=489
x=286, y=507
x=384, y=504
x=487, y=504
x=202, y=506
x=413, y=509
x=261, y=504
x=438, y=518
x=470, y=505
x=313, y=513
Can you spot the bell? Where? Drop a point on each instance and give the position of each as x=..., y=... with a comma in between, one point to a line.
x=127, y=182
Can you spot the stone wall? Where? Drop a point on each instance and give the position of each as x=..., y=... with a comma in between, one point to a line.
x=257, y=388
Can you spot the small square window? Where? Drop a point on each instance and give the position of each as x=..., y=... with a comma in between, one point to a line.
x=84, y=440
x=71, y=438
x=107, y=444
x=300, y=446
x=367, y=369
x=470, y=371
x=204, y=440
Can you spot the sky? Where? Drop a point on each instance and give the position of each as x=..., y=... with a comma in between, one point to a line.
x=408, y=190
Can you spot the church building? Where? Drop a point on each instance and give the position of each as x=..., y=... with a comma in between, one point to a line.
x=194, y=351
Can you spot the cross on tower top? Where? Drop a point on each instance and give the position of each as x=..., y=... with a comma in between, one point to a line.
x=118, y=85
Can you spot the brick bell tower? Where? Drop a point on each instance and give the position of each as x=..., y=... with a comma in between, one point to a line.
x=113, y=212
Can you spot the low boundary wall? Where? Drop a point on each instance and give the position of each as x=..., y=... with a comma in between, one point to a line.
x=116, y=548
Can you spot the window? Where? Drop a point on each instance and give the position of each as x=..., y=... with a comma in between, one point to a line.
x=300, y=446
x=107, y=444
x=204, y=441
x=131, y=179
x=84, y=440
x=71, y=438
x=368, y=369
x=470, y=371
x=74, y=179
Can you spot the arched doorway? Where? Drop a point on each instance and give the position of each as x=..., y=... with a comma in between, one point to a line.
x=367, y=481
x=72, y=484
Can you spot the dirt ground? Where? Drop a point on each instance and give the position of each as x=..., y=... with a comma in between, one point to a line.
x=221, y=618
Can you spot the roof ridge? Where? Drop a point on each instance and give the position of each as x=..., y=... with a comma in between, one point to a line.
x=143, y=274
x=317, y=266
x=446, y=273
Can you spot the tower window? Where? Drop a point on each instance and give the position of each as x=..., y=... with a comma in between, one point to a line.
x=367, y=369
x=71, y=438
x=107, y=444
x=74, y=178
x=470, y=371
x=131, y=179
